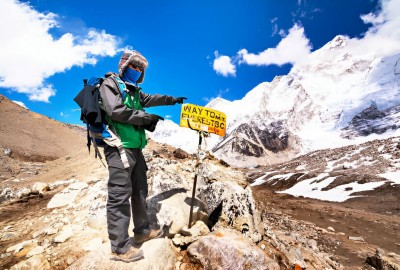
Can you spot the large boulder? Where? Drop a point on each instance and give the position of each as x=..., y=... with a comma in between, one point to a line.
x=231, y=206
x=229, y=249
x=171, y=209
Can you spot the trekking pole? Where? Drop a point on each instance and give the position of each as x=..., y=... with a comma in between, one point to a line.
x=196, y=172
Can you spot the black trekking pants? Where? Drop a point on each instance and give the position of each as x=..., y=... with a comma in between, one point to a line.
x=125, y=184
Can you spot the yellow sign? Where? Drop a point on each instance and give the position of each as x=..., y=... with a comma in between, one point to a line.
x=204, y=119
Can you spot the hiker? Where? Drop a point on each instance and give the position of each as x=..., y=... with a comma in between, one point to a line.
x=127, y=172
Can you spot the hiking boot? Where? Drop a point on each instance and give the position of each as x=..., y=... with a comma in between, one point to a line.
x=132, y=255
x=147, y=235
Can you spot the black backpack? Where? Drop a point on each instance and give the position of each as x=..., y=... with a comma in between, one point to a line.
x=89, y=100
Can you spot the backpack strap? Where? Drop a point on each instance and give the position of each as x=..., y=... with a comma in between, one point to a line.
x=115, y=141
x=123, y=90
x=96, y=148
x=112, y=138
x=122, y=87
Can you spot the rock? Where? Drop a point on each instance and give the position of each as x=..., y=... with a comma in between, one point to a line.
x=7, y=151
x=23, y=192
x=188, y=236
x=212, y=173
x=6, y=194
x=6, y=228
x=97, y=222
x=331, y=229
x=313, y=244
x=356, y=238
x=67, y=196
x=382, y=261
x=5, y=255
x=93, y=244
x=296, y=257
x=60, y=183
x=36, y=251
x=38, y=233
x=40, y=187
x=16, y=248
x=163, y=179
x=180, y=154
x=51, y=231
x=64, y=235
x=177, y=240
x=229, y=249
x=8, y=236
x=230, y=206
x=38, y=262
x=157, y=255
x=198, y=229
x=173, y=211
x=347, y=166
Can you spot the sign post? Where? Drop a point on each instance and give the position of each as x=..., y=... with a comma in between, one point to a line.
x=204, y=121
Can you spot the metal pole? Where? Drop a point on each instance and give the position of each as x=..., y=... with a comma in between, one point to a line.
x=196, y=171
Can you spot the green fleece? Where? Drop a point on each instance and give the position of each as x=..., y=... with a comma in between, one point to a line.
x=131, y=136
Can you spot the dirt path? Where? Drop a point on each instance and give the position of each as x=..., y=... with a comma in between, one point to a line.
x=343, y=220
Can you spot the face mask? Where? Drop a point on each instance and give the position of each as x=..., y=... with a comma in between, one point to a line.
x=131, y=75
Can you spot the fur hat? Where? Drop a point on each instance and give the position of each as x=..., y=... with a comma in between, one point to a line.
x=135, y=58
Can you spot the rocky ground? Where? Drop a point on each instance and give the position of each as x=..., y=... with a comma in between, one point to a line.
x=39, y=231
x=353, y=229
x=351, y=235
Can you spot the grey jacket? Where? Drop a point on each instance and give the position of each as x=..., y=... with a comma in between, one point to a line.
x=116, y=109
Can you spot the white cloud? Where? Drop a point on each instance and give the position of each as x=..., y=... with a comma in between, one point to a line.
x=64, y=115
x=223, y=65
x=372, y=18
x=41, y=93
x=222, y=92
x=293, y=48
x=29, y=54
x=20, y=103
x=383, y=37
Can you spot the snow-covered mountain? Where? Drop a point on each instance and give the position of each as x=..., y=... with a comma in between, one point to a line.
x=340, y=96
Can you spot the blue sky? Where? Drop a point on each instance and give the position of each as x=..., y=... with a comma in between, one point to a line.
x=197, y=49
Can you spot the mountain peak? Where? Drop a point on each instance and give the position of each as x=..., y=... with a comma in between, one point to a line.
x=217, y=102
x=339, y=41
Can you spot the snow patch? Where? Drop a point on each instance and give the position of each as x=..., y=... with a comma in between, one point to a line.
x=312, y=188
x=260, y=180
x=392, y=176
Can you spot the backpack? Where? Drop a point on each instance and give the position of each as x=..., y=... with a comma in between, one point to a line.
x=98, y=131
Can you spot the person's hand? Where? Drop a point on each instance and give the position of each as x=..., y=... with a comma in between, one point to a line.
x=154, y=120
x=179, y=100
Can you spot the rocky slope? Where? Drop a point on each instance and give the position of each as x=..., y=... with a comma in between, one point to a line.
x=58, y=221
x=357, y=189
x=70, y=222
x=310, y=212
x=31, y=137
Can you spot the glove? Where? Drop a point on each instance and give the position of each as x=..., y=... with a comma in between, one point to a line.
x=179, y=100
x=154, y=120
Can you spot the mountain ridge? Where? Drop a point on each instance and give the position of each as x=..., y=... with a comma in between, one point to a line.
x=319, y=104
